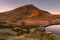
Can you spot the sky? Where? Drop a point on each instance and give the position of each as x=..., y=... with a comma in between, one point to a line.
x=52, y=6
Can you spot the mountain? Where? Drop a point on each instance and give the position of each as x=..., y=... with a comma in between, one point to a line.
x=29, y=13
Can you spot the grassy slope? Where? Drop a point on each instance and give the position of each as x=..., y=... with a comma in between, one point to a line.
x=37, y=35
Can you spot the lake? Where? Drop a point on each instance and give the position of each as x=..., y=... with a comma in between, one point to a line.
x=54, y=29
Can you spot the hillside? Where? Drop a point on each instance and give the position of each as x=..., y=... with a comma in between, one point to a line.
x=8, y=34
x=28, y=13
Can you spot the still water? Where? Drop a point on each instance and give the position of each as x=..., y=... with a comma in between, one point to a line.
x=54, y=29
